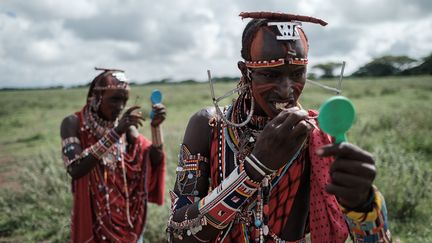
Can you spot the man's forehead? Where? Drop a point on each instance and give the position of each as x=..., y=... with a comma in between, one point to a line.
x=269, y=44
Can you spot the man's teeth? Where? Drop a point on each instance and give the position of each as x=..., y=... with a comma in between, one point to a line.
x=281, y=106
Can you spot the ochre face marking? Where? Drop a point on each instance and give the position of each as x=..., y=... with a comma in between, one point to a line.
x=281, y=85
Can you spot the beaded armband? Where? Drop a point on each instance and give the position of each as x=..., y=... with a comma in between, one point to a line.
x=222, y=204
x=188, y=171
x=216, y=209
x=369, y=226
x=68, y=149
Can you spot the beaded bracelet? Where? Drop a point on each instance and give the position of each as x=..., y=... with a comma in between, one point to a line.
x=255, y=166
x=269, y=171
x=366, y=216
x=103, y=145
x=157, y=139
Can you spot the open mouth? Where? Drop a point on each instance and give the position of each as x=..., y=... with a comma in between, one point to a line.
x=280, y=106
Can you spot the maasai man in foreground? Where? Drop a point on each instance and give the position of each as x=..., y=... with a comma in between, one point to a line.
x=261, y=170
x=114, y=169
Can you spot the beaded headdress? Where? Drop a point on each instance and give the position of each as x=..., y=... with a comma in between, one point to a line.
x=100, y=82
x=117, y=74
x=288, y=28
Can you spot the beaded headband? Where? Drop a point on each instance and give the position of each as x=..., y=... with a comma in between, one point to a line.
x=289, y=27
x=276, y=63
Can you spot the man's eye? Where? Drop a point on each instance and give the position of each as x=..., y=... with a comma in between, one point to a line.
x=298, y=74
x=268, y=74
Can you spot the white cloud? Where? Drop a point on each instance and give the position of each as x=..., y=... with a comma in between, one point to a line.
x=52, y=42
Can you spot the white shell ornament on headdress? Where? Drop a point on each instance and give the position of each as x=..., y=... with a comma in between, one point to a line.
x=120, y=76
x=287, y=30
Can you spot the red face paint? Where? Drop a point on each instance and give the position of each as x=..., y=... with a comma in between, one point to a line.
x=277, y=87
x=280, y=90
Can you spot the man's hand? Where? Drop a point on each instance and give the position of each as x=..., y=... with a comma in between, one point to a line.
x=282, y=137
x=131, y=117
x=159, y=112
x=352, y=173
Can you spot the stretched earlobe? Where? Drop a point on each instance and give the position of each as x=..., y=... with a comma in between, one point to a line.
x=244, y=70
x=242, y=67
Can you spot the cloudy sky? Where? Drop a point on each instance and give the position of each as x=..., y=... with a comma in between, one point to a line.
x=59, y=42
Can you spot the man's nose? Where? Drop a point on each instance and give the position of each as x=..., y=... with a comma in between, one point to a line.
x=285, y=88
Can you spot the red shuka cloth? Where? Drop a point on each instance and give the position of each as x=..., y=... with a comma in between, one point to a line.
x=91, y=220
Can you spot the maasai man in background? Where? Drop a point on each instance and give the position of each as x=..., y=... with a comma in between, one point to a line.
x=261, y=170
x=114, y=169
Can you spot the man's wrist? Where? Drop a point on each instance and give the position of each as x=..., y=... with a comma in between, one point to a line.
x=365, y=206
x=253, y=173
x=158, y=147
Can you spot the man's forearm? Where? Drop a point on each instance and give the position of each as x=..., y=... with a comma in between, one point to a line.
x=204, y=219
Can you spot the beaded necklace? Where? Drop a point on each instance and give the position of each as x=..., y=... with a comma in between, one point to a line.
x=241, y=141
x=98, y=127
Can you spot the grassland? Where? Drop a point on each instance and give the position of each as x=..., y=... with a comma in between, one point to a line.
x=394, y=122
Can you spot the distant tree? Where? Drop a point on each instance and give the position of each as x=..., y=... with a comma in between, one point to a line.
x=385, y=66
x=311, y=76
x=327, y=68
x=188, y=81
x=424, y=68
x=226, y=79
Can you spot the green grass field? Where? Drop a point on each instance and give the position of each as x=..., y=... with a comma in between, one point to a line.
x=394, y=122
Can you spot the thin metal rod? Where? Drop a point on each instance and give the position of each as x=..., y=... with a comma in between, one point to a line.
x=218, y=110
x=339, y=87
x=231, y=92
x=211, y=86
x=324, y=86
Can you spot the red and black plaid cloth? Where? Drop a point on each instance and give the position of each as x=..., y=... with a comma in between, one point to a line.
x=326, y=221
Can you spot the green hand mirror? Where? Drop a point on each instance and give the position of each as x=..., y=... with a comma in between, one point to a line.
x=336, y=116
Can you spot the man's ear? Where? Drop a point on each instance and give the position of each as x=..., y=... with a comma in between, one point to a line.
x=245, y=71
x=242, y=67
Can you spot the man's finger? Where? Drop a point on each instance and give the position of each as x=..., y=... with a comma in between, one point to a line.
x=343, y=192
x=279, y=119
x=354, y=167
x=293, y=119
x=129, y=110
x=301, y=128
x=350, y=180
x=132, y=116
x=345, y=150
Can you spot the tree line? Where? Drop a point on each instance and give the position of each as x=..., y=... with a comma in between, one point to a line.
x=387, y=65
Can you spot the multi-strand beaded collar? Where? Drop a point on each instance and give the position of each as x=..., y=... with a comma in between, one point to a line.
x=97, y=126
x=242, y=139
